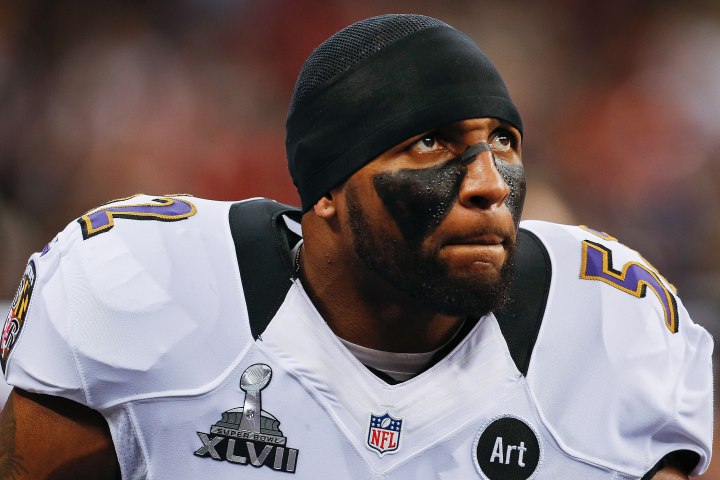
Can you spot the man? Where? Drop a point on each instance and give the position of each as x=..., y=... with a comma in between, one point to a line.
x=415, y=332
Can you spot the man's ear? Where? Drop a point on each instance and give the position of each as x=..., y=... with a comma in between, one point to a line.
x=325, y=207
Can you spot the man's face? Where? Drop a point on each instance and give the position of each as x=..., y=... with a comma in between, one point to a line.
x=439, y=225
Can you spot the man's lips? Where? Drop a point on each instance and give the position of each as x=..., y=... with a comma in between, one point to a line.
x=478, y=249
x=486, y=239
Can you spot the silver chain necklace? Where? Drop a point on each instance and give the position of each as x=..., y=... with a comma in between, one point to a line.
x=296, y=262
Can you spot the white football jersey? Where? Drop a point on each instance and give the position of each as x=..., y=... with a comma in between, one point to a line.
x=140, y=311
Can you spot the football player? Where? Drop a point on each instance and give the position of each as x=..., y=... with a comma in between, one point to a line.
x=402, y=324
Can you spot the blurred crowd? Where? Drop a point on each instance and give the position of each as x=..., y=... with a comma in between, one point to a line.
x=620, y=100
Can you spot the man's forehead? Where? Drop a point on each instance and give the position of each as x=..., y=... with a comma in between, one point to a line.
x=470, y=124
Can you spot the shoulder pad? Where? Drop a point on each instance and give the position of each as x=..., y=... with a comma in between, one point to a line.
x=138, y=296
x=618, y=353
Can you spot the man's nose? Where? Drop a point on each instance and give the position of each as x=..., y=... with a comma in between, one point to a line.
x=483, y=186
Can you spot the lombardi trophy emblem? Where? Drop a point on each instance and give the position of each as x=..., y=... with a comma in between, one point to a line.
x=248, y=435
x=254, y=379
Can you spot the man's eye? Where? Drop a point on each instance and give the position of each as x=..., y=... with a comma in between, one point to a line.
x=428, y=144
x=503, y=141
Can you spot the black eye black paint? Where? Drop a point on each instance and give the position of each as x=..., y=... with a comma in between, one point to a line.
x=420, y=198
x=514, y=176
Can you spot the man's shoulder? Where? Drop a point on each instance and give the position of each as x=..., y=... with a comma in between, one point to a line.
x=136, y=246
x=595, y=266
x=557, y=236
x=617, y=351
x=143, y=215
x=130, y=291
x=602, y=286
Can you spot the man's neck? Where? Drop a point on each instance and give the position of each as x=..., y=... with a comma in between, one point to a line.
x=362, y=308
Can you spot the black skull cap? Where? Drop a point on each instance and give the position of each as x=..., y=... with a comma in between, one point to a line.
x=377, y=83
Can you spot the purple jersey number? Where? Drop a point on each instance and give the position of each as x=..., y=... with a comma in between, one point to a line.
x=164, y=209
x=634, y=278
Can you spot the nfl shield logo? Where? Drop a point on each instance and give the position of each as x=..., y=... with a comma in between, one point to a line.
x=384, y=433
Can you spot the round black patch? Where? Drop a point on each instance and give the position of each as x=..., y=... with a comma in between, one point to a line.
x=507, y=449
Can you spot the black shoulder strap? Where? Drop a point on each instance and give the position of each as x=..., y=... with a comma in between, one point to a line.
x=683, y=460
x=522, y=316
x=263, y=244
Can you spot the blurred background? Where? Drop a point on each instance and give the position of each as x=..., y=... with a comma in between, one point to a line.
x=620, y=100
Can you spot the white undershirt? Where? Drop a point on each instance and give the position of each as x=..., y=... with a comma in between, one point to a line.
x=399, y=366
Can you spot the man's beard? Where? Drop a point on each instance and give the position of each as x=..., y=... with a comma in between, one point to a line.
x=421, y=275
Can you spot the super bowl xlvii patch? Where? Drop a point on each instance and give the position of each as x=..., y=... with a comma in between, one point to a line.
x=507, y=448
x=17, y=314
x=248, y=435
x=384, y=433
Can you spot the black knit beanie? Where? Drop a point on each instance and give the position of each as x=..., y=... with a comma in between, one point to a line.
x=378, y=82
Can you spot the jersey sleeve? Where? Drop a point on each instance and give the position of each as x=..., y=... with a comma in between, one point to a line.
x=621, y=374
x=690, y=424
x=134, y=300
x=35, y=349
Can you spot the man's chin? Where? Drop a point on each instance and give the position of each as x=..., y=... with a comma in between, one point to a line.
x=464, y=297
x=474, y=287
